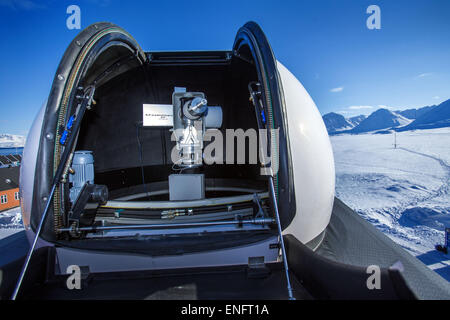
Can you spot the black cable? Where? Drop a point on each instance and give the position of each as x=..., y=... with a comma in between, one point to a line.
x=141, y=157
x=163, y=145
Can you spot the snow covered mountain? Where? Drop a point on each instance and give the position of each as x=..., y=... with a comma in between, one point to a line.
x=429, y=117
x=11, y=141
x=336, y=122
x=437, y=117
x=357, y=119
x=414, y=113
x=381, y=119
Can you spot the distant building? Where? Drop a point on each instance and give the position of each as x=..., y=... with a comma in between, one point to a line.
x=9, y=187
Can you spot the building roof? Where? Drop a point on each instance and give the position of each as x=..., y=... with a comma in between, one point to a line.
x=9, y=178
x=7, y=159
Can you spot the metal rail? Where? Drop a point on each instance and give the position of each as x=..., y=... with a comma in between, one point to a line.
x=208, y=202
x=260, y=116
x=280, y=234
x=260, y=221
x=71, y=136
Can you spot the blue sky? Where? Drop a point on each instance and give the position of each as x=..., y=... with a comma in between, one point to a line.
x=345, y=67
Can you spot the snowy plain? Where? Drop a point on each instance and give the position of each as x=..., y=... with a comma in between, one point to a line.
x=10, y=222
x=403, y=190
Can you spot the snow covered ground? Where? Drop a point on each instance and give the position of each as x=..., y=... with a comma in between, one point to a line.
x=10, y=222
x=403, y=191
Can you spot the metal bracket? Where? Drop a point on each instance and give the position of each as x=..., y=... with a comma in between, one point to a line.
x=258, y=209
x=257, y=268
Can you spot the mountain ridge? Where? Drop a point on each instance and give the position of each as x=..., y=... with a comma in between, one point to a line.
x=11, y=140
x=428, y=117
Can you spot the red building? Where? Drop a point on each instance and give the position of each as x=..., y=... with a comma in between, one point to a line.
x=9, y=187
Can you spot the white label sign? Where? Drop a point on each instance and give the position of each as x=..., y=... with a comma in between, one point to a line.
x=157, y=115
